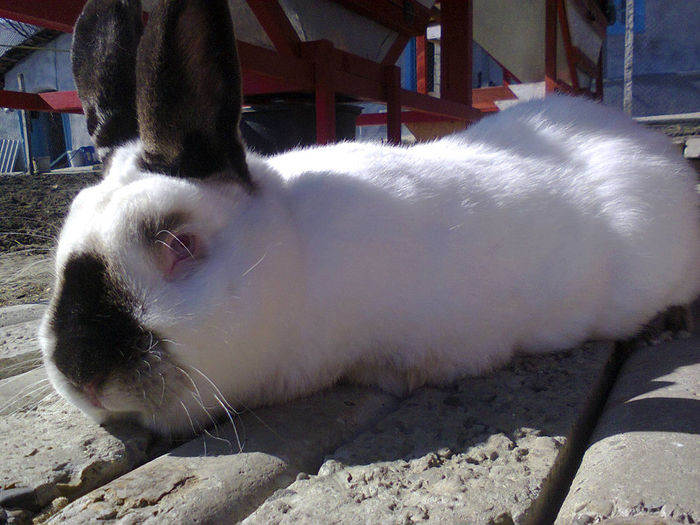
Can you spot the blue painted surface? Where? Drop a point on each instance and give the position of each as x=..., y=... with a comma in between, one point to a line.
x=46, y=70
x=408, y=66
x=618, y=28
x=67, y=131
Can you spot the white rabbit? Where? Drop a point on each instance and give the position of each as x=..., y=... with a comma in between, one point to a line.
x=198, y=275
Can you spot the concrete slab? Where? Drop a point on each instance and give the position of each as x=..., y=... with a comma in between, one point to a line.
x=22, y=313
x=491, y=450
x=19, y=343
x=19, y=348
x=692, y=148
x=52, y=451
x=644, y=456
x=23, y=392
x=210, y=481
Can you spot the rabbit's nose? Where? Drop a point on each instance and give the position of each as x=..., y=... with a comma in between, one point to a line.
x=95, y=329
x=90, y=391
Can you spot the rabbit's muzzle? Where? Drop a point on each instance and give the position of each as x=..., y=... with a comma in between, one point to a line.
x=95, y=331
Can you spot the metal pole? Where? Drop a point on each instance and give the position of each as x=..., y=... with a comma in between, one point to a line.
x=26, y=145
x=629, y=57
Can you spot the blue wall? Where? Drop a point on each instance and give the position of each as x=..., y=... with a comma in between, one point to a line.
x=666, y=69
x=45, y=70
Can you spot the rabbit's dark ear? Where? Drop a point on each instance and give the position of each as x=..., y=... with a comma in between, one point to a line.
x=189, y=92
x=103, y=55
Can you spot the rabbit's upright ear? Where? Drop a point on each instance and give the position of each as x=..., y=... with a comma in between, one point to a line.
x=103, y=56
x=189, y=92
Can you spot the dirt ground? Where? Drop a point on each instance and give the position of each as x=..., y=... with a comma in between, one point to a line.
x=32, y=209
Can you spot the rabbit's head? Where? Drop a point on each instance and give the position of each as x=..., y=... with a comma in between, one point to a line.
x=159, y=266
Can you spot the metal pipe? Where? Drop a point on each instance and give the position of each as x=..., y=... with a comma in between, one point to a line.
x=629, y=57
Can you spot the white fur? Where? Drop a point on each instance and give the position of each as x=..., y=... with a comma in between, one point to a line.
x=537, y=228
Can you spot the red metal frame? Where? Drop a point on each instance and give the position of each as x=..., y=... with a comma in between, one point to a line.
x=422, y=64
x=484, y=99
x=56, y=101
x=59, y=15
x=299, y=66
x=555, y=10
x=456, y=50
x=296, y=66
x=406, y=17
x=277, y=26
x=550, y=46
x=392, y=83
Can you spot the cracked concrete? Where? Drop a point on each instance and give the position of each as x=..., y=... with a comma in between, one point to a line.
x=495, y=449
x=644, y=456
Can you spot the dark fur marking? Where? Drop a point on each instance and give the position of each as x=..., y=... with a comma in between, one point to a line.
x=188, y=97
x=95, y=330
x=103, y=55
x=152, y=226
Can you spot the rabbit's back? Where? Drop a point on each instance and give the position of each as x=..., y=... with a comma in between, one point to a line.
x=542, y=226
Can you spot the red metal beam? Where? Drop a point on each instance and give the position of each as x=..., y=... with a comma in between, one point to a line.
x=51, y=14
x=599, y=77
x=395, y=50
x=550, y=46
x=568, y=44
x=297, y=73
x=456, y=51
x=321, y=54
x=421, y=64
x=56, y=101
x=584, y=63
x=62, y=101
x=379, y=119
x=320, y=69
x=392, y=84
x=256, y=83
x=406, y=17
x=438, y=106
x=590, y=11
x=274, y=21
x=484, y=99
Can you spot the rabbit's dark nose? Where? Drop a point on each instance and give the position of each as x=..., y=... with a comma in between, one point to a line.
x=93, y=323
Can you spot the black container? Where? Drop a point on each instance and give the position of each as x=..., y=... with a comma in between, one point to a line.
x=281, y=126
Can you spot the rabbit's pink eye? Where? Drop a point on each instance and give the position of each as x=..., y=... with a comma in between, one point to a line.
x=174, y=250
x=182, y=246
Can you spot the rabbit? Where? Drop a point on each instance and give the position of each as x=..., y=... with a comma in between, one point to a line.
x=198, y=277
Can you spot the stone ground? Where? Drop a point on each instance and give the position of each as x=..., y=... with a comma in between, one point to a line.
x=539, y=441
x=596, y=434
